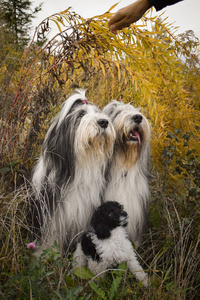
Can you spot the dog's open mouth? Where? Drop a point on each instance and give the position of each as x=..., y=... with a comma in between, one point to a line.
x=133, y=136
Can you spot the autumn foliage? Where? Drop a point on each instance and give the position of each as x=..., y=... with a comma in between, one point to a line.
x=146, y=64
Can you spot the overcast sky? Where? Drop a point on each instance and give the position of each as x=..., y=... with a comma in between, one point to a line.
x=185, y=14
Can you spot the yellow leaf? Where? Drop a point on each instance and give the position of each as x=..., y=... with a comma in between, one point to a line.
x=66, y=10
x=119, y=70
x=58, y=25
x=60, y=20
x=113, y=6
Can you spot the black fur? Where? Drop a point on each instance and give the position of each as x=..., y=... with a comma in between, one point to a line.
x=106, y=218
x=88, y=247
x=58, y=149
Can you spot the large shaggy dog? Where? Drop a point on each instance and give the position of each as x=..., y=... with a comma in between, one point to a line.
x=129, y=167
x=69, y=177
x=105, y=244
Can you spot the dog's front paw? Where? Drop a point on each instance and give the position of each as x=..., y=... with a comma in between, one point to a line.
x=145, y=281
x=79, y=259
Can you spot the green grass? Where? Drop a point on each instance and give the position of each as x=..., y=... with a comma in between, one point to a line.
x=170, y=254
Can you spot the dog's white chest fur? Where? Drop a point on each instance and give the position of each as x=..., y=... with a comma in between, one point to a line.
x=112, y=249
x=129, y=188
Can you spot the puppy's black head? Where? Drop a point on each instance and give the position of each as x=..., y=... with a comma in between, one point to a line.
x=107, y=217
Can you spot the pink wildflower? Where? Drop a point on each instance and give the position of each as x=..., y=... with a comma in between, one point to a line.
x=31, y=246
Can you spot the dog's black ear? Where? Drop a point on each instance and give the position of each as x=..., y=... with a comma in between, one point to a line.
x=102, y=231
x=100, y=225
x=88, y=247
x=58, y=149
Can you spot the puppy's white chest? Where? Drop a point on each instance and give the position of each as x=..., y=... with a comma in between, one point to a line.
x=115, y=249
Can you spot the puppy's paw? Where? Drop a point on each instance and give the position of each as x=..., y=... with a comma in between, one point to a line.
x=145, y=281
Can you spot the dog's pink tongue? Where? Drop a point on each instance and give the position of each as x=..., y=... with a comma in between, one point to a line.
x=138, y=136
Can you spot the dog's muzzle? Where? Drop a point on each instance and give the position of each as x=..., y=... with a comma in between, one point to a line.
x=103, y=123
x=124, y=219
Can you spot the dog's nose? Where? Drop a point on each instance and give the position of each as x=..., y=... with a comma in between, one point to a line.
x=137, y=118
x=103, y=123
x=124, y=213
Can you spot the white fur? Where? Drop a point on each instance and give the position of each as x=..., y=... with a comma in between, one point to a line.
x=112, y=251
x=74, y=196
x=128, y=174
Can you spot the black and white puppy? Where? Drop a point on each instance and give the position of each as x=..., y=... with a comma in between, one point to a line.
x=106, y=243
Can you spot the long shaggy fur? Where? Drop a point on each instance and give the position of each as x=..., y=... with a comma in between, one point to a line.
x=129, y=167
x=69, y=177
x=105, y=244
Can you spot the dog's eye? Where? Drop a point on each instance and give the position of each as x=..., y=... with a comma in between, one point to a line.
x=81, y=114
x=110, y=215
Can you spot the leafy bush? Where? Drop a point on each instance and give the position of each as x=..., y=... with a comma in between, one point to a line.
x=156, y=70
